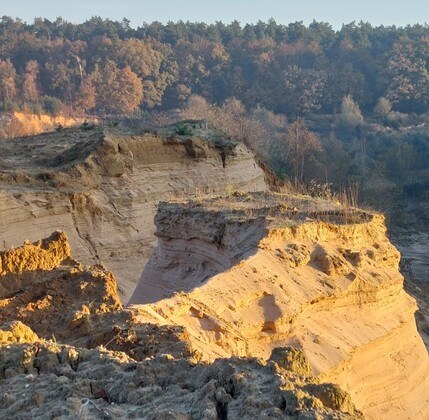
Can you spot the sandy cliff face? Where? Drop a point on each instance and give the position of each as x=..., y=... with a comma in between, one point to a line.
x=258, y=271
x=102, y=188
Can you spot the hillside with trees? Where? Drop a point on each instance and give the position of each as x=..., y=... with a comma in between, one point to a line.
x=323, y=107
x=289, y=69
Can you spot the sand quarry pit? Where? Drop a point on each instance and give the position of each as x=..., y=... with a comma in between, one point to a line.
x=254, y=305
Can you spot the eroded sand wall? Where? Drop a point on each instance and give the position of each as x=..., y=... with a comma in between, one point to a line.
x=331, y=288
x=103, y=188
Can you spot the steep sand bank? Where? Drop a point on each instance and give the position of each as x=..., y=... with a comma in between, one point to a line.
x=309, y=288
x=259, y=271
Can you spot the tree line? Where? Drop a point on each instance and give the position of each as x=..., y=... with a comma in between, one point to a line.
x=101, y=66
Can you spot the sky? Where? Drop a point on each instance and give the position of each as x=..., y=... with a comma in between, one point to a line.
x=335, y=12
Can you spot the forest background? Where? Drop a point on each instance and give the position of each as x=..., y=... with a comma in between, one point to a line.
x=329, y=110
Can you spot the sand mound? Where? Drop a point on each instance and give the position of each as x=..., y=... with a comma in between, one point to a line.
x=45, y=289
x=253, y=272
x=46, y=254
x=16, y=332
x=50, y=380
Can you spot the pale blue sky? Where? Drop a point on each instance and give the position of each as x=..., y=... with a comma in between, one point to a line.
x=336, y=12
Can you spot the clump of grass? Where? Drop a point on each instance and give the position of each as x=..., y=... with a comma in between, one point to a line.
x=183, y=130
x=86, y=126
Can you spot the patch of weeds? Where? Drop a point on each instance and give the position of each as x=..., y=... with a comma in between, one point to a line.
x=86, y=126
x=183, y=130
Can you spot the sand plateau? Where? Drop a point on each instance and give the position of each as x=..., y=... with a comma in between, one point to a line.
x=101, y=363
x=102, y=186
x=252, y=272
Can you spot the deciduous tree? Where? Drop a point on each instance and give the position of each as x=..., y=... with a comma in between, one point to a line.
x=302, y=144
x=86, y=96
x=351, y=115
x=30, y=90
x=7, y=81
x=383, y=108
x=118, y=90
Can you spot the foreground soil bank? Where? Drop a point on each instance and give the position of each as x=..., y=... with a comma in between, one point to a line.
x=68, y=350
